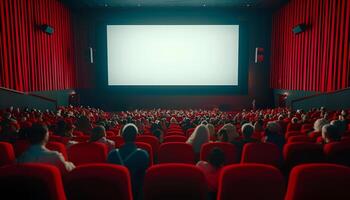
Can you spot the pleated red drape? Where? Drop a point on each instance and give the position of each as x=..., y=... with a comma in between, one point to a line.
x=30, y=59
x=318, y=59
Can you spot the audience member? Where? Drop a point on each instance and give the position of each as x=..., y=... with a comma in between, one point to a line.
x=273, y=134
x=330, y=133
x=98, y=134
x=199, y=137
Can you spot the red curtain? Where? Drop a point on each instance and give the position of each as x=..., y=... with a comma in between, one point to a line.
x=30, y=59
x=315, y=60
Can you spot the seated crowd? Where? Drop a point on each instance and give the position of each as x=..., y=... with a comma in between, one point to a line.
x=74, y=125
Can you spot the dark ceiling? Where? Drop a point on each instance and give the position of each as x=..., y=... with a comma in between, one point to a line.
x=263, y=4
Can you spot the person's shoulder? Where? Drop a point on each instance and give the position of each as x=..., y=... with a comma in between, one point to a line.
x=142, y=152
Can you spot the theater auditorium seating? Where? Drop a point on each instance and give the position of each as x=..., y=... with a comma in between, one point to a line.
x=251, y=182
x=7, y=154
x=176, y=152
x=264, y=153
x=99, y=181
x=174, y=181
x=229, y=150
x=57, y=146
x=338, y=152
x=87, y=152
x=151, y=140
x=148, y=148
x=175, y=138
x=31, y=181
x=319, y=181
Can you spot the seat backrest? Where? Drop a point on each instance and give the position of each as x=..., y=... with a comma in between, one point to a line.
x=292, y=133
x=175, y=138
x=20, y=146
x=229, y=150
x=7, y=154
x=87, y=152
x=293, y=127
x=57, y=146
x=300, y=138
x=148, y=148
x=263, y=153
x=319, y=181
x=251, y=182
x=152, y=140
x=176, y=152
x=338, y=152
x=174, y=181
x=118, y=140
x=302, y=152
x=110, y=133
x=83, y=138
x=99, y=181
x=31, y=181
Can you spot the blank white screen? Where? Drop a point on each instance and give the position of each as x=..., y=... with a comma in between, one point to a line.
x=197, y=55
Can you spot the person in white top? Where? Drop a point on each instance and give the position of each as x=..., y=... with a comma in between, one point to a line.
x=98, y=134
x=38, y=137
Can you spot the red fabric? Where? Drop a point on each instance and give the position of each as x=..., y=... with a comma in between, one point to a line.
x=176, y=152
x=264, y=153
x=251, y=181
x=87, y=152
x=317, y=59
x=152, y=140
x=230, y=151
x=99, y=181
x=57, y=146
x=30, y=59
x=319, y=181
x=300, y=138
x=174, y=181
x=338, y=152
x=20, y=146
x=175, y=138
x=31, y=181
x=7, y=154
x=148, y=148
x=292, y=133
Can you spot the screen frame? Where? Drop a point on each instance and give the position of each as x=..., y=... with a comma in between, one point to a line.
x=102, y=61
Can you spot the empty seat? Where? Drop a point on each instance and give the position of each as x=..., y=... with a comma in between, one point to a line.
x=319, y=181
x=176, y=152
x=87, y=152
x=302, y=152
x=148, y=148
x=251, y=182
x=31, y=181
x=99, y=181
x=300, y=138
x=338, y=152
x=20, y=146
x=152, y=140
x=175, y=133
x=175, y=138
x=174, y=181
x=229, y=150
x=57, y=146
x=293, y=127
x=7, y=154
x=264, y=153
x=292, y=133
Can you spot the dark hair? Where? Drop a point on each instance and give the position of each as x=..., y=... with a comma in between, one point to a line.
x=331, y=132
x=129, y=132
x=157, y=133
x=37, y=133
x=223, y=134
x=216, y=157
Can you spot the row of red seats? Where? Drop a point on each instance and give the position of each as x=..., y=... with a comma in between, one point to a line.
x=175, y=181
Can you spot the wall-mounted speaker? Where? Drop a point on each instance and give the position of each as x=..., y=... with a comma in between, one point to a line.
x=47, y=29
x=259, y=55
x=299, y=28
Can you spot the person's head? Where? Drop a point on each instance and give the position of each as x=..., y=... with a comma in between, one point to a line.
x=97, y=133
x=211, y=129
x=339, y=125
x=330, y=133
x=319, y=124
x=38, y=134
x=294, y=120
x=231, y=131
x=272, y=128
x=159, y=134
x=173, y=120
x=129, y=132
x=61, y=127
x=258, y=125
x=247, y=130
x=222, y=135
x=216, y=157
x=199, y=136
x=280, y=117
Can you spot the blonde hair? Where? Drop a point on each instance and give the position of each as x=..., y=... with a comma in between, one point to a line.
x=211, y=129
x=199, y=136
x=231, y=131
x=319, y=124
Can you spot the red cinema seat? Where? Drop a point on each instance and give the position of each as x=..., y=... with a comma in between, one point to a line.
x=55, y=138
x=229, y=150
x=170, y=133
x=20, y=146
x=31, y=181
x=99, y=181
x=300, y=138
x=57, y=146
x=83, y=138
x=338, y=152
x=174, y=181
x=151, y=140
x=110, y=133
x=292, y=133
x=306, y=127
x=302, y=152
x=176, y=152
x=7, y=154
x=148, y=148
x=293, y=127
x=189, y=132
x=119, y=140
x=319, y=181
x=84, y=153
x=251, y=182
x=263, y=153
x=175, y=138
